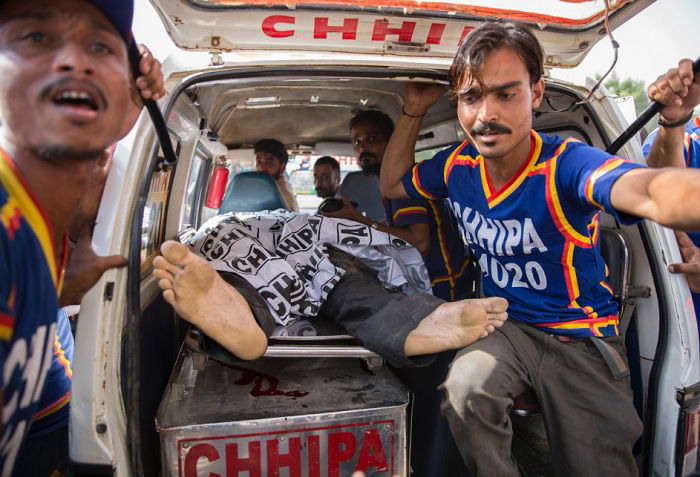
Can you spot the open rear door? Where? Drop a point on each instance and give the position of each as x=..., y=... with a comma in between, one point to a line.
x=566, y=28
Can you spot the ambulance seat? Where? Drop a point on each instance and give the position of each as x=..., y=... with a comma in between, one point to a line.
x=252, y=192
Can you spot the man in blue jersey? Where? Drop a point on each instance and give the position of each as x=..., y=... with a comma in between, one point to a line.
x=677, y=144
x=528, y=205
x=65, y=96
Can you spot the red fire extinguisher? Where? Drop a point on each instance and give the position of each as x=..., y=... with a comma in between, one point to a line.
x=219, y=179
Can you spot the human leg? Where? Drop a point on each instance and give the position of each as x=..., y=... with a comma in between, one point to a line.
x=590, y=418
x=398, y=326
x=198, y=294
x=478, y=393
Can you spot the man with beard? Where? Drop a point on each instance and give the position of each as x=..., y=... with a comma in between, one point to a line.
x=271, y=158
x=427, y=225
x=528, y=205
x=326, y=177
x=362, y=187
x=65, y=97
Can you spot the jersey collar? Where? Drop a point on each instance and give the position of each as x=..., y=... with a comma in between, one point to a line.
x=17, y=188
x=495, y=197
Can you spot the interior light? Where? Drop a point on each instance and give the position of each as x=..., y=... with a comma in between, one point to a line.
x=266, y=99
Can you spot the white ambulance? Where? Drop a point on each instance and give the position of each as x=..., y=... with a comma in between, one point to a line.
x=151, y=397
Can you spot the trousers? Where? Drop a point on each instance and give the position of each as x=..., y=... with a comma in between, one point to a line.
x=359, y=303
x=589, y=417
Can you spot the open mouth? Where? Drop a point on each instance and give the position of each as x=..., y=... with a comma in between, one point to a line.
x=81, y=100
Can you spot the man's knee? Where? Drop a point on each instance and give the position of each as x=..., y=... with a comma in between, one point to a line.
x=469, y=387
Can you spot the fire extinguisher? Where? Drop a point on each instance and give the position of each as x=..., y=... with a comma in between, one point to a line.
x=219, y=179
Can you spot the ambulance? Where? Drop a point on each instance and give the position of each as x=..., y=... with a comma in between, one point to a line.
x=151, y=396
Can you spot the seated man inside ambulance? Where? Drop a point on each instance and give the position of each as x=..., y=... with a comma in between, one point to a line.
x=237, y=279
x=271, y=158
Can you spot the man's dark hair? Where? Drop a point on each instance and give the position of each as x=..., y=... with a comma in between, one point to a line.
x=379, y=119
x=328, y=160
x=274, y=147
x=488, y=37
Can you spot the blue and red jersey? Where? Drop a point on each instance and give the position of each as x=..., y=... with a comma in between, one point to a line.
x=536, y=238
x=691, y=153
x=53, y=409
x=30, y=281
x=447, y=259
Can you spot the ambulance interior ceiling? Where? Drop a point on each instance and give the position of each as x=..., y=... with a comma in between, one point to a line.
x=307, y=110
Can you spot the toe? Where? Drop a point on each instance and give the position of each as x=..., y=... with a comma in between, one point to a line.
x=169, y=297
x=176, y=253
x=162, y=273
x=495, y=304
x=165, y=284
x=501, y=317
x=162, y=264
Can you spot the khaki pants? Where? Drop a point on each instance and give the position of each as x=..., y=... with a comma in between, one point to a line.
x=590, y=420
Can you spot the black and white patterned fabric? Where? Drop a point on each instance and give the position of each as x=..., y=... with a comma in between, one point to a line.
x=283, y=256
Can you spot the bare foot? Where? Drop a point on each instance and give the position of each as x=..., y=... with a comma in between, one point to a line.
x=198, y=294
x=457, y=324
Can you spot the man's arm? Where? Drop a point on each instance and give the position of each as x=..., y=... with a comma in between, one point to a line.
x=667, y=196
x=399, y=155
x=150, y=85
x=677, y=89
x=667, y=148
x=417, y=235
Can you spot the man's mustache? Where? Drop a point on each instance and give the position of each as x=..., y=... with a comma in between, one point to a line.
x=491, y=127
x=47, y=90
x=366, y=155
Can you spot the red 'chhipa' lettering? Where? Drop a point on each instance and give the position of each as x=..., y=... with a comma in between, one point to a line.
x=314, y=448
x=291, y=459
x=341, y=447
x=381, y=30
x=348, y=29
x=269, y=26
x=435, y=33
x=467, y=30
x=236, y=464
x=372, y=452
x=200, y=450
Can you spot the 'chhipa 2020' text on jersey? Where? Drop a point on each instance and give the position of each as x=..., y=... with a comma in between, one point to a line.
x=536, y=238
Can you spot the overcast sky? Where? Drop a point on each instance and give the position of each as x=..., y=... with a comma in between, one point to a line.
x=650, y=43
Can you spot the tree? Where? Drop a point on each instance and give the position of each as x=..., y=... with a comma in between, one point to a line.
x=628, y=87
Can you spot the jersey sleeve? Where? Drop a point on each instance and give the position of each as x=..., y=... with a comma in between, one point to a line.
x=427, y=178
x=405, y=212
x=7, y=299
x=588, y=174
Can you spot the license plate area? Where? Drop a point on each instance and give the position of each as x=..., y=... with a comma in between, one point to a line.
x=337, y=449
x=326, y=417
